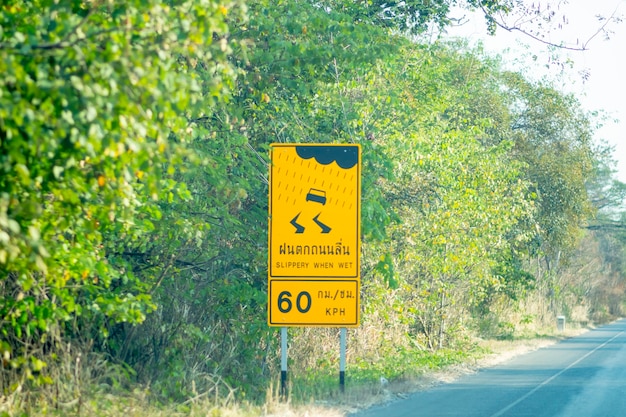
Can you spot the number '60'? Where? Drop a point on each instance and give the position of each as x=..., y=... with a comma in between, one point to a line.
x=303, y=302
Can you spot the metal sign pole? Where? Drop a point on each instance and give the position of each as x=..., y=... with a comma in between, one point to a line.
x=342, y=360
x=283, y=362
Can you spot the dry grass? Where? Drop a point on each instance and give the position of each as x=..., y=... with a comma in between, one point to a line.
x=137, y=404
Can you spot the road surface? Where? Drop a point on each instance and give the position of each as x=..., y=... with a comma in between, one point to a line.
x=584, y=376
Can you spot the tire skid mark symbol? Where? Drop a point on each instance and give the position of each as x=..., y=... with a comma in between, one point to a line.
x=294, y=222
x=325, y=229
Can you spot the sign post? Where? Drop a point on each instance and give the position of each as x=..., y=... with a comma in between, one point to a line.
x=342, y=359
x=283, y=363
x=314, y=271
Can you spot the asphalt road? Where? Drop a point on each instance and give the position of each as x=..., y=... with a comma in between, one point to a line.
x=584, y=376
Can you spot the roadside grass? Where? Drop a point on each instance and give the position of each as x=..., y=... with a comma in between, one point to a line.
x=311, y=392
x=368, y=382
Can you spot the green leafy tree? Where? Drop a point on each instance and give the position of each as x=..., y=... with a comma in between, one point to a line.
x=456, y=187
x=607, y=194
x=95, y=102
x=552, y=136
x=204, y=258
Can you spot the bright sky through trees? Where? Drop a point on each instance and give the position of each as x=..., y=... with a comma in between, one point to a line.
x=595, y=75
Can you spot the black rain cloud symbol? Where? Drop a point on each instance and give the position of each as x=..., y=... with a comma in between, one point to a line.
x=345, y=156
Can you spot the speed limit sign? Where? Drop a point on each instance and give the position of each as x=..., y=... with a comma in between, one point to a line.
x=314, y=302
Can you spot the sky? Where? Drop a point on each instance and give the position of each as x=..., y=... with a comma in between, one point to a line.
x=604, y=61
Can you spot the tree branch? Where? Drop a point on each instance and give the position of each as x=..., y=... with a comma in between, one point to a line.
x=63, y=43
x=606, y=226
x=516, y=28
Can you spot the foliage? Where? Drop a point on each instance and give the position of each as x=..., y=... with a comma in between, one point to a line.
x=133, y=191
x=94, y=107
x=416, y=16
x=456, y=188
x=553, y=136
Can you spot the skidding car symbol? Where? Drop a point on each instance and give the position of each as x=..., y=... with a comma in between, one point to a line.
x=318, y=196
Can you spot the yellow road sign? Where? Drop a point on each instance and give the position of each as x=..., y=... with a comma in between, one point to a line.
x=314, y=235
x=315, y=194
x=313, y=303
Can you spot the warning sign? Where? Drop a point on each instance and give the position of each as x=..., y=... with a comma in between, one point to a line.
x=314, y=235
x=314, y=211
